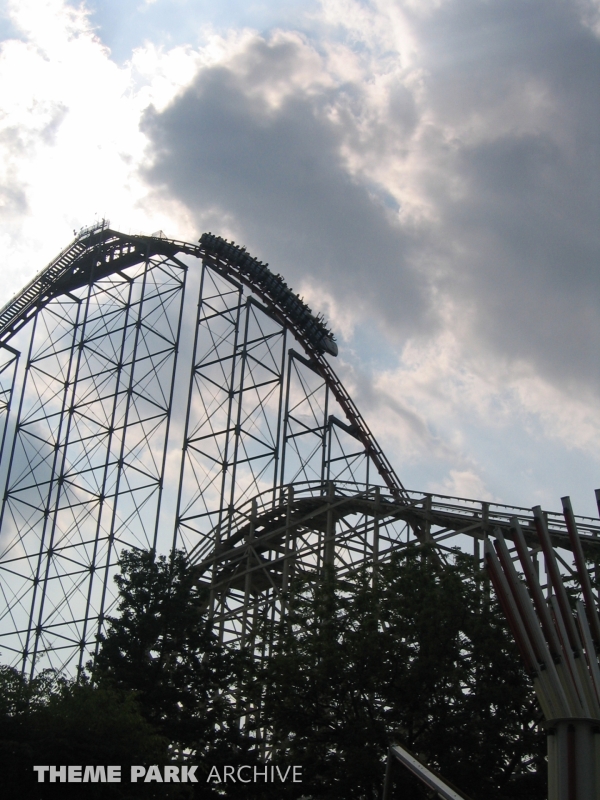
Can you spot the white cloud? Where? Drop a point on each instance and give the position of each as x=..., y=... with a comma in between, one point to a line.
x=418, y=170
x=70, y=139
x=443, y=381
x=465, y=483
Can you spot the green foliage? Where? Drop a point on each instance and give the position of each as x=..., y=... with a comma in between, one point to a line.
x=162, y=647
x=420, y=659
x=50, y=720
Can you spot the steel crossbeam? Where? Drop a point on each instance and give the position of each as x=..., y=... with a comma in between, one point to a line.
x=166, y=394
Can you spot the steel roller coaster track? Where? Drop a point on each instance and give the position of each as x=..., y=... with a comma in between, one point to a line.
x=149, y=398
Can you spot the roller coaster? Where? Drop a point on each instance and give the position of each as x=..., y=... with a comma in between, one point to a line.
x=159, y=393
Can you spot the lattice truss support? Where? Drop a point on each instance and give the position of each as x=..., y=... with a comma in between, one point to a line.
x=86, y=466
x=157, y=393
x=258, y=418
x=301, y=529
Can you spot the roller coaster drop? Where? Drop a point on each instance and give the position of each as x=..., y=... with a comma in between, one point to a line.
x=147, y=403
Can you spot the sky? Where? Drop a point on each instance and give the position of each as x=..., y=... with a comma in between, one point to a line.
x=426, y=173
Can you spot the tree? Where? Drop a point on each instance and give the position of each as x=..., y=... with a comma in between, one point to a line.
x=162, y=647
x=51, y=720
x=422, y=658
x=414, y=653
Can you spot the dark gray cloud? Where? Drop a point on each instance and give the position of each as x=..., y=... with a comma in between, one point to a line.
x=279, y=174
x=531, y=273
x=528, y=222
x=511, y=93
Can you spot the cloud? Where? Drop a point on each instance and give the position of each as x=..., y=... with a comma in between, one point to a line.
x=253, y=139
x=522, y=132
x=70, y=143
x=458, y=173
x=464, y=483
x=425, y=172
